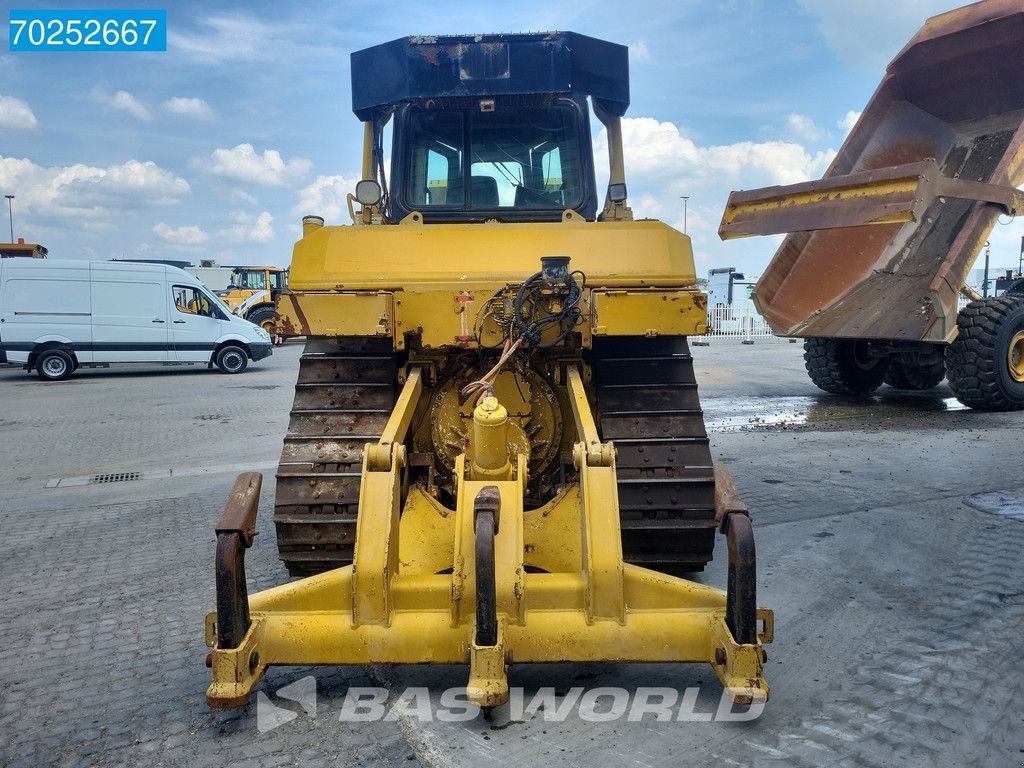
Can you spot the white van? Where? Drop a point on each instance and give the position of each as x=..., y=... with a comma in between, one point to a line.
x=58, y=315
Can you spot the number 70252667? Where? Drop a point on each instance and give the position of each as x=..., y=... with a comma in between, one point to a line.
x=84, y=30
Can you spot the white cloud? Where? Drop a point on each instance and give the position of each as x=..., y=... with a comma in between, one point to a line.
x=848, y=121
x=639, y=53
x=15, y=114
x=182, y=237
x=241, y=196
x=89, y=191
x=125, y=102
x=803, y=127
x=663, y=164
x=188, y=107
x=224, y=38
x=887, y=25
x=244, y=164
x=658, y=150
x=256, y=229
x=326, y=197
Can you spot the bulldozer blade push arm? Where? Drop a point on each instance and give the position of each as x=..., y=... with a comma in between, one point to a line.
x=580, y=603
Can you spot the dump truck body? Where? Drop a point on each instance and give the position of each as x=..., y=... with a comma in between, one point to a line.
x=880, y=248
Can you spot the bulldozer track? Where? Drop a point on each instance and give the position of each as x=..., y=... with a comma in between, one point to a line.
x=648, y=406
x=343, y=396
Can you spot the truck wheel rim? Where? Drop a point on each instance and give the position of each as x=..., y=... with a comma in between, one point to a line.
x=54, y=366
x=862, y=359
x=232, y=361
x=1015, y=357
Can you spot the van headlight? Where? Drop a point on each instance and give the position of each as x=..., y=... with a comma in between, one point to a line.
x=260, y=333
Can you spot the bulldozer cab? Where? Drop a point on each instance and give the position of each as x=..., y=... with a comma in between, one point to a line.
x=471, y=142
x=488, y=158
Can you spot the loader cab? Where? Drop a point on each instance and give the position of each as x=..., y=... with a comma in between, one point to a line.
x=479, y=159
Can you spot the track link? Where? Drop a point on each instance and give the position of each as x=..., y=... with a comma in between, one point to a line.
x=343, y=396
x=647, y=404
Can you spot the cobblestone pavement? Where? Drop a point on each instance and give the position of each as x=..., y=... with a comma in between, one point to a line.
x=894, y=575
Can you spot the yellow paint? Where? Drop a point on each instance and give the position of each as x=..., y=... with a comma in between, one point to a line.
x=648, y=313
x=337, y=313
x=410, y=595
x=489, y=448
x=414, y=257
x=901, y=193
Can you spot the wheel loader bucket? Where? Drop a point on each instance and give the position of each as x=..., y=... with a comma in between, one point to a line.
x=880, y=247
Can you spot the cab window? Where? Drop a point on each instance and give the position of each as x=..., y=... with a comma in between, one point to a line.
x=256, y=281
x=191, y=301
x=512, y=157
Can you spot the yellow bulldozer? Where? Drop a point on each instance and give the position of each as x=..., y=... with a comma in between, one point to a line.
x=496, y=453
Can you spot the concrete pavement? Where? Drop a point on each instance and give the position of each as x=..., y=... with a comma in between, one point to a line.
x=888, y=546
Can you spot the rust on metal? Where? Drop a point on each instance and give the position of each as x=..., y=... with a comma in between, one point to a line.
x=951, y=105
x=727, y=497
x=488, y=501
x=239, y=515
x=741, y=591
x=235, y=533
x=343, y=396
x=486, y=511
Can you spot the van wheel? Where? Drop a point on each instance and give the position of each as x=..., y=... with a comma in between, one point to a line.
x=232, y=359
x=54, y=365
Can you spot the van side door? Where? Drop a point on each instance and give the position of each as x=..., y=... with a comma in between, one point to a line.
x=196, y=324
x=129, y=315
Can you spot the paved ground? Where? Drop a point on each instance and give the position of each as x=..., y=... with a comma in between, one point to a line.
x=890, y=535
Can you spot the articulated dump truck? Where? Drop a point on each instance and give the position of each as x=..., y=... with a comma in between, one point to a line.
x=880, y=248
x=496, y=453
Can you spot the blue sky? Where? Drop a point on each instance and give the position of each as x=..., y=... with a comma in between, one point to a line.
x=216, y=148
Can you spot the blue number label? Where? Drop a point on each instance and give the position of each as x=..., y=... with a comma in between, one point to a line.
x=88, y=30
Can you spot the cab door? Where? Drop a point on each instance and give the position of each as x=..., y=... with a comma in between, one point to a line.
x=195, y=324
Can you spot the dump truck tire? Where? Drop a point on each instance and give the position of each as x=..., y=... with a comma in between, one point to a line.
x=903, y=376
x=841, y=367
x=985, y=363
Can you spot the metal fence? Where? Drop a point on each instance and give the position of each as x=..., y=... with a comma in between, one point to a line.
x=741, y=322
x=737, y=322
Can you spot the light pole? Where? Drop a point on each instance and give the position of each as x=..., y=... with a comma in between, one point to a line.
x=10, y=212
x=684, y=198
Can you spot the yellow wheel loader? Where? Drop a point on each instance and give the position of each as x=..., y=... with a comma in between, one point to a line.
x=496, y=453
x=880, y=248
x=253, y=292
